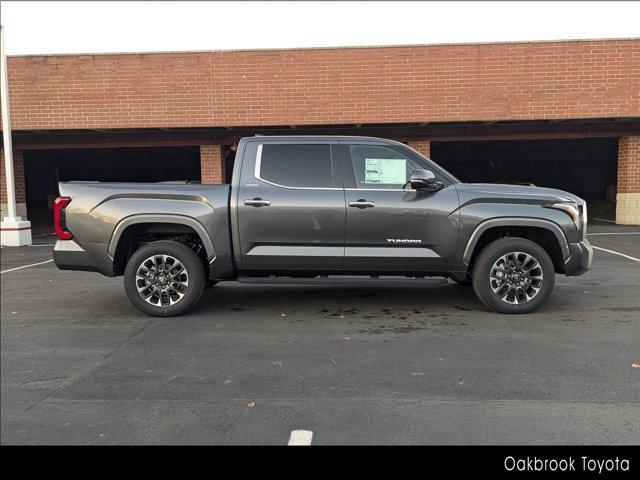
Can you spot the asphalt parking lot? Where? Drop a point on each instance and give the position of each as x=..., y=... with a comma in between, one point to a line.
x=353, y=364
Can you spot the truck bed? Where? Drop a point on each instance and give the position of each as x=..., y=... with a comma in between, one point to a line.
x=100, y=214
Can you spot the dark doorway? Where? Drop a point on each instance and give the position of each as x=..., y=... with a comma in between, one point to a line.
x=229, y=155
x=585, y=167
x=45, y=168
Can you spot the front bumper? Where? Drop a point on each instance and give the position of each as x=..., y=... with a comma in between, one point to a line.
x=580, y=259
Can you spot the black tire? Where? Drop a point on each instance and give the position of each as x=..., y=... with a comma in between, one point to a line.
x=195, y=278
x=494, y=252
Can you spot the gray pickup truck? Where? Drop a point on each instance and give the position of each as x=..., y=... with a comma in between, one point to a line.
x=310, y=207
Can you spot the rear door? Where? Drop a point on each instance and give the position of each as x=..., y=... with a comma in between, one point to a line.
x=391, y=227
x=291, y=207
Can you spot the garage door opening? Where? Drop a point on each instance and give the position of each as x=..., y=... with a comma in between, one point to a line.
x=585, y=167
x=229, y=158
x=45, y=168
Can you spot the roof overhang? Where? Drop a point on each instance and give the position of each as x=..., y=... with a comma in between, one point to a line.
x=449, y=131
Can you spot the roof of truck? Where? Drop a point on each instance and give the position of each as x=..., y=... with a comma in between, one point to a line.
x=349, y=138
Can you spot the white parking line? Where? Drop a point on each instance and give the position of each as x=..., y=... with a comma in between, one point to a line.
x=617, y=253
x=300, y=438
x=608, y=284
x=25, y=266
x=604, y=220
x=615, y=233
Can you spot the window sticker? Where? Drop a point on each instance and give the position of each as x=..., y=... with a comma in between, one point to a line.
x=385, y=170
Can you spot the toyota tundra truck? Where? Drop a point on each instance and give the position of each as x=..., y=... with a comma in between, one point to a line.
x=322, y=207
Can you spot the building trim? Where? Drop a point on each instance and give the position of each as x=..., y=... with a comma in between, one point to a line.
x=339, y=47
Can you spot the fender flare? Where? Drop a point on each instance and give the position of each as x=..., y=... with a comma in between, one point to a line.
x=516, y=222
x=161, y=218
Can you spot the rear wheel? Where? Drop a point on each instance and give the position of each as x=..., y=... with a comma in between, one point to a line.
x=164, y=278
x=513, y=275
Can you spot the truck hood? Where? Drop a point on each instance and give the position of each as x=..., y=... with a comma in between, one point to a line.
x=520, y=191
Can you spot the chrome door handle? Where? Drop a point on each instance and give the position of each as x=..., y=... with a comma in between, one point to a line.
x=257, y=202
x=362, y=204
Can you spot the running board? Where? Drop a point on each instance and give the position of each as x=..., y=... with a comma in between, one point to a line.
x=341, y=280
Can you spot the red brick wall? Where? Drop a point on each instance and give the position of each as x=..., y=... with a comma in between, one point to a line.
x=211, y=164
x=629, y=165
x=421, y=145
x=18, y=176
x=511, y=81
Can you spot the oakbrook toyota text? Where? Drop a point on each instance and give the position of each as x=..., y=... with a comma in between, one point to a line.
x=569, y=464
x=310, y=207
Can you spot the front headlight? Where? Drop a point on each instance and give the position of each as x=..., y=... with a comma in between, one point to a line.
x=570, y=209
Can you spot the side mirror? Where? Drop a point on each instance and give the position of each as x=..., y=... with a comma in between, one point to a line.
x=424, y=180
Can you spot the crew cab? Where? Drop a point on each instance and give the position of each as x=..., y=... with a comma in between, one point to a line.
x=309, y=207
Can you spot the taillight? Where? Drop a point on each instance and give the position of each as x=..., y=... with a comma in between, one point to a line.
x=59, y=218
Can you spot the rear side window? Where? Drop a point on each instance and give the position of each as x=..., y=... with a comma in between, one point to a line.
x=296, y=165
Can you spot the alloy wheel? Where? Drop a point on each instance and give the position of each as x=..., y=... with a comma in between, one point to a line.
x=162, y=280
x=516, y=277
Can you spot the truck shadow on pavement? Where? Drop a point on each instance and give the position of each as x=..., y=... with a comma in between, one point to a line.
x=241, y=297
x=363, y=305
x=373, y=309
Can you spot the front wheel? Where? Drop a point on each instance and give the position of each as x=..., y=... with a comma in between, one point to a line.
x=164, y=278
x=513, y=275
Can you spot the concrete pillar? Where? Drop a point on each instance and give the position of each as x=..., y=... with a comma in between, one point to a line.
x=422, y=145
x=628, y=196
x=211, y=164
x=14, y=232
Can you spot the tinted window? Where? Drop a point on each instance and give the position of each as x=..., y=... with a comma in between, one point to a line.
x=381, y=167
x=297, y=165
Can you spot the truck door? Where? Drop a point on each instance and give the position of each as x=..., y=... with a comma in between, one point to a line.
x=291, y=207
x=390, y=227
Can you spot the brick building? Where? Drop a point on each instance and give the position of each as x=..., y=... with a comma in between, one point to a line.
x=558, y=114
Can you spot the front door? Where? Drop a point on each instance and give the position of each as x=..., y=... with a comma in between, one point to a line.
x=291, y=207
x=391, y=227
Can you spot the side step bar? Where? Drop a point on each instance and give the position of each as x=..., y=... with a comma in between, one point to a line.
x=343, y=280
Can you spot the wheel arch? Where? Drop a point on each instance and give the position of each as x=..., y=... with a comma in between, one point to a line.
x=166, y=218
x=559, y=245
x=185, y=224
